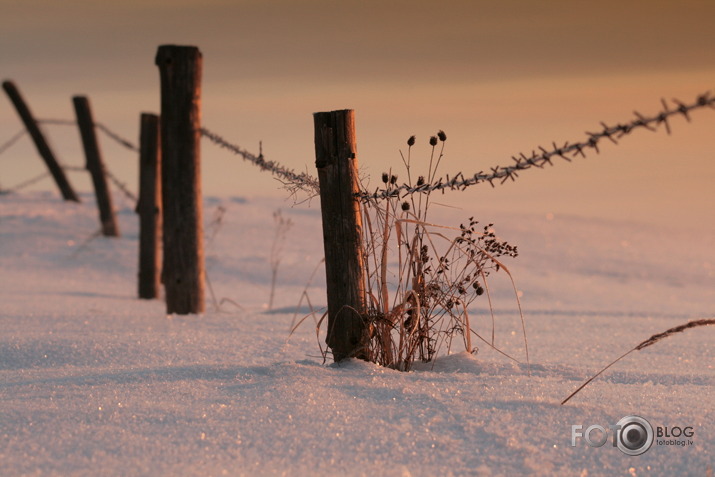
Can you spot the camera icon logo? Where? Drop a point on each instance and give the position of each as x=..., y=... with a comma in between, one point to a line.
x=634, y=435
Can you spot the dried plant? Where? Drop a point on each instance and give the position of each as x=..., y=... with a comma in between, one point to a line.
x=212, y=229
x=650, y=341
x=281, y=233
x=421, y=278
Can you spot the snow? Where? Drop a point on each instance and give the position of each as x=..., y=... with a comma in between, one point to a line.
x=95, y=381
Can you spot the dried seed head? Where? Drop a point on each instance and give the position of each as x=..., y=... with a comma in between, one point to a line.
x=420, y=180
x=405, y=206
x=433, y=141
x=385, y=177
x=393, y=180
x=411, y=141
x=442, y=136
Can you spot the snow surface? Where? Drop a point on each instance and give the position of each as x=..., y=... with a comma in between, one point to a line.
x=96, y=382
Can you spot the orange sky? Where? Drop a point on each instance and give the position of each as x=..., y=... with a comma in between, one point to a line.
x=499, y=77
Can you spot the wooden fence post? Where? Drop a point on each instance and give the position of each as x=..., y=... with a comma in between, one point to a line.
x=40, y=142
x=95, y=166
x=149, y=207
x=180, y=72
x=337, y=164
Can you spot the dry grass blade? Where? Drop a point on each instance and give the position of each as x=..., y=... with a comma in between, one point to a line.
x=650, y=341
x=303, y=295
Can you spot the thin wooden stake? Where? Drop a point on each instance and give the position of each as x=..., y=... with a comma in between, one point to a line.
x=184, y=273
x=95, y=166
x=40, y=142
x=149, y=207
x=337, y=164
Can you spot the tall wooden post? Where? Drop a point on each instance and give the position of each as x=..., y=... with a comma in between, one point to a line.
x=40, y=142
x=95, y=166
x=180, y=72
x=149, y=207
x=337, y=164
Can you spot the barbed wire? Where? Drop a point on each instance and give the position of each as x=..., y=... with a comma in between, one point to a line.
x=544, y=156
x=119, y=184
x=292, y=181
x=108, y=132
x=11, y=142
x=57, y=122
x=122, y=187
x=68, y=122
x=24, y=184
x=305, y=182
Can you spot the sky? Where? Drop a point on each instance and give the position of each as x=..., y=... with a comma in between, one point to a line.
x=499, y=77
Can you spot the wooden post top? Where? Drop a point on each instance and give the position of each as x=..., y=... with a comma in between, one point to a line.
x=166, y=53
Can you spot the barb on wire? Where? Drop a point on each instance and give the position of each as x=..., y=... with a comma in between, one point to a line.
x=24, y=184
x=10, y=142
x=544, y=156
x=292, y=181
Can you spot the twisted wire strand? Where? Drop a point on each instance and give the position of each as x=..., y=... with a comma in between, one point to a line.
x=291, y=179
x=544, y=156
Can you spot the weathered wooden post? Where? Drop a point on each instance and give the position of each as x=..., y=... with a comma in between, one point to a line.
x=95, y=166
x=180, y=72
x=40, y=142
x=149, y=207
x=337, y=164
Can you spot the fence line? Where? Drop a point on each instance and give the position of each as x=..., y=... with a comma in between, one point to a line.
x=295, y=182
x=183, y=264
x=308, y=183
x=68, y=122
